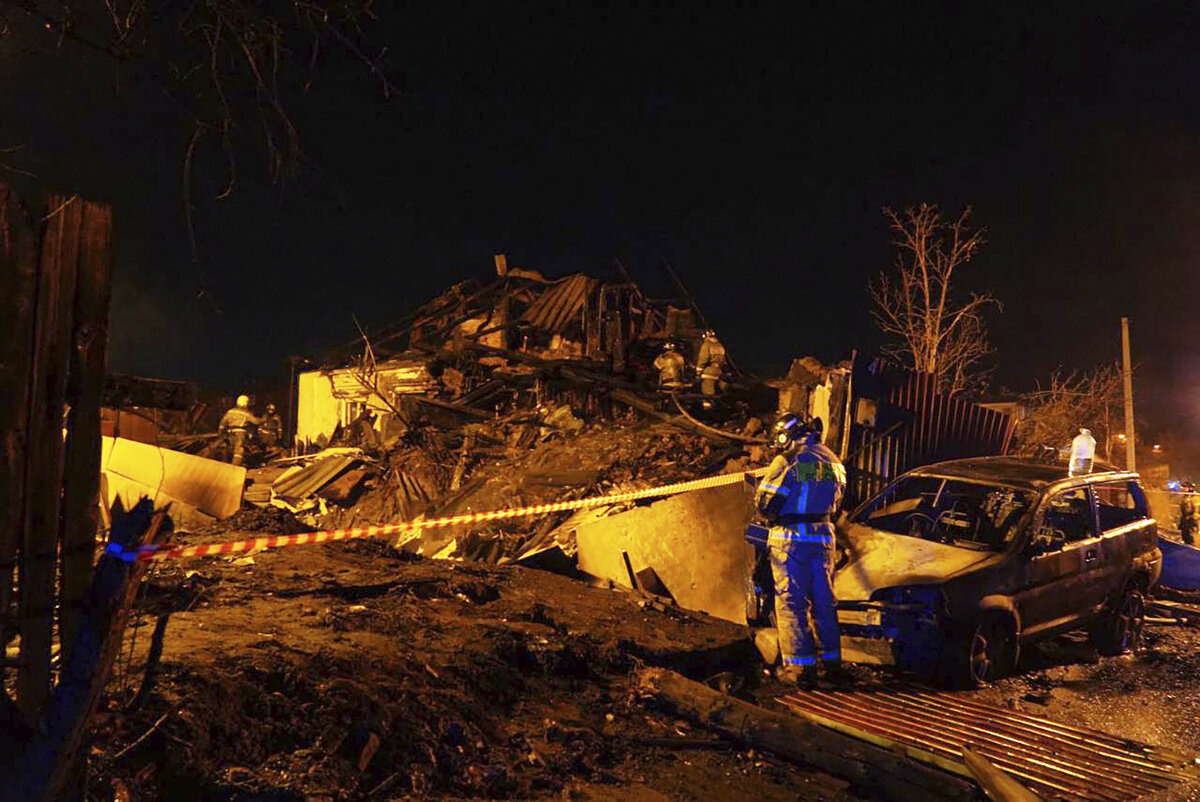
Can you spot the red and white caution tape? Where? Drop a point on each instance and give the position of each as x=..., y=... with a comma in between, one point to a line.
x=386, y=530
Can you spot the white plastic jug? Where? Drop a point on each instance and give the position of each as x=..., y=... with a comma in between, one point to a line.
x=1083, y=451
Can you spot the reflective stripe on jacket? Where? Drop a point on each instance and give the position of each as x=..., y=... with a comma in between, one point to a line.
x=237, y=420
x=711, y=359
x=670, y=366
x=799, y=496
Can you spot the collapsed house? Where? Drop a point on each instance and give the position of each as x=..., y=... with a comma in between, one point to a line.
x=528, y=390
x=479, y=347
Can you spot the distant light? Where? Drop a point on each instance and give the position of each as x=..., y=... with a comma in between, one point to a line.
x=1173, y=484
x=1157, y=447
x=1121, y=437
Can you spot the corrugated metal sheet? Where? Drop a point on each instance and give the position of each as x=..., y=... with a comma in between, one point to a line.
x=932, y=427
x=558, y=305
x=1058, y=761
x=303, y=483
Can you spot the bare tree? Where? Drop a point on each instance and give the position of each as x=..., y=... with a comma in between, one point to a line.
x=934, y=329
x=1054, y=413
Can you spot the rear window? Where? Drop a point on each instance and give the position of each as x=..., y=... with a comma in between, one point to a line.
x=949, y=511
x=1119, y=503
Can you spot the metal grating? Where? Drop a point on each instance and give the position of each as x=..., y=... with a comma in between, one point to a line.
x=1058, y=761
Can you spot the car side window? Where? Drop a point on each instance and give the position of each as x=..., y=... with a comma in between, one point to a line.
x=1070, y=512
x=1119, y=503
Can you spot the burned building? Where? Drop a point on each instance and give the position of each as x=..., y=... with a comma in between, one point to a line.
x=482, y=346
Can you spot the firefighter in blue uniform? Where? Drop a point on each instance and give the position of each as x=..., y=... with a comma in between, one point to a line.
x=799, y=496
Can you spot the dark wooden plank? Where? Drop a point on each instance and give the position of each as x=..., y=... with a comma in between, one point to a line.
x=43, y=468
x=18, y=296
x=85, y=387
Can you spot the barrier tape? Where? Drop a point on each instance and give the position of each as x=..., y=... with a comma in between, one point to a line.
x=153, y=552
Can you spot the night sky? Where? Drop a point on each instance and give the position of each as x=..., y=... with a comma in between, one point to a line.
x=753, y=149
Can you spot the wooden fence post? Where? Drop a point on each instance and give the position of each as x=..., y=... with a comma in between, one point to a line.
x=18, y=296
x=54, y=298
x=43, y=467
x=81, y=481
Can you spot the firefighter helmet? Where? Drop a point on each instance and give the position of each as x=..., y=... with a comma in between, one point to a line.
x=790, y=429
x=243, y=401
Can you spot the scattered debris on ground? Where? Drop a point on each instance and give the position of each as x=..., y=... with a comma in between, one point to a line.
x=350, y=671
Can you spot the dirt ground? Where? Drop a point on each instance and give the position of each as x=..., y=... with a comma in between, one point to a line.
x=347, y=672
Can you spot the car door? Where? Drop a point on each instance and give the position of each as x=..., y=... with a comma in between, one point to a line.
x=1059, y=587
x=1126, y=531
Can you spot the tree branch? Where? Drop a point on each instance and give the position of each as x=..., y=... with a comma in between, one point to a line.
x=932, y=331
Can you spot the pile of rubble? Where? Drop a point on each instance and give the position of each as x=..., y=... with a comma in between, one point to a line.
x=529, y=391
x=490, y=469
x=522, y=391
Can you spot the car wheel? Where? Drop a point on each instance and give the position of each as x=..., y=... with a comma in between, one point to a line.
x=1121, y=632
x=983, y=654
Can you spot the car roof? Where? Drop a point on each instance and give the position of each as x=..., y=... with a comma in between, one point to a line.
x=1020, y=472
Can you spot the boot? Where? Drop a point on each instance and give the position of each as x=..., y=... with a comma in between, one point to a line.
x=836, y=673
x=806, y=679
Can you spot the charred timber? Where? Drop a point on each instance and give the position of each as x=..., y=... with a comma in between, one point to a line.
x=801, y=741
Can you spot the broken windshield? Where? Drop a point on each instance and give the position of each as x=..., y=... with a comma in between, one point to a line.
x=951, y=511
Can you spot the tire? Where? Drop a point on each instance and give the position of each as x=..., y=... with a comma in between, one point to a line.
x=1121, y=631
x=981, y=654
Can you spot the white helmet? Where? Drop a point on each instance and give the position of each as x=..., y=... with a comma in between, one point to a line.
x=243, y=400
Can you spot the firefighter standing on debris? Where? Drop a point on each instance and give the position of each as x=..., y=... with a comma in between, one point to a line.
x=670, y=365
x=270, y=430
x=235, y=425
x=799, y=496
x=1188, y=509
x=710, y=363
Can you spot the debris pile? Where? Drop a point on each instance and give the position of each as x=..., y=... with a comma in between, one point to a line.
x=519, y=392
x=528, y=391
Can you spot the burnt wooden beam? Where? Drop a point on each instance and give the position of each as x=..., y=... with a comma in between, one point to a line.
x=642, y=405
x=461, y=409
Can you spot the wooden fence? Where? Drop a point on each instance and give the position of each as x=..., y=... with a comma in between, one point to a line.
x=55, y=269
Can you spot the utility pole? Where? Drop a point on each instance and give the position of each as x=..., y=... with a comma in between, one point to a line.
x=1127, y=370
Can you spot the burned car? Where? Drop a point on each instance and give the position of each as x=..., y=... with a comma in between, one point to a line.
x=955, y=566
